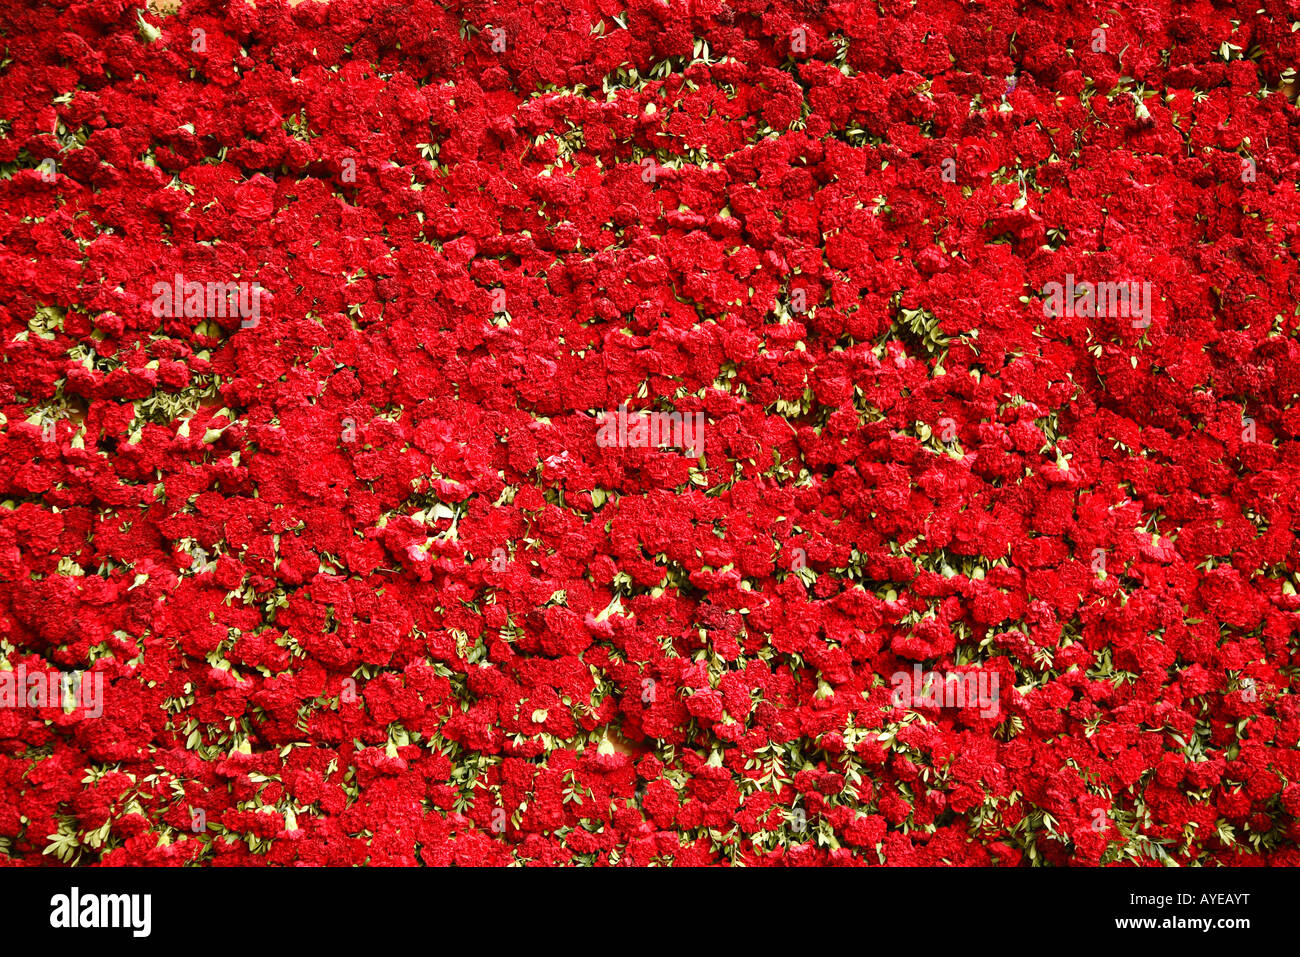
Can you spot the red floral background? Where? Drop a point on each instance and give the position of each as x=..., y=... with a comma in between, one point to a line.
x=359, y=582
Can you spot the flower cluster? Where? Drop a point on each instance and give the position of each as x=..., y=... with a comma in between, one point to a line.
x=962, y=530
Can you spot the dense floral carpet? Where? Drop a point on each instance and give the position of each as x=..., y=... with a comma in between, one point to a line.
x=628, y=432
